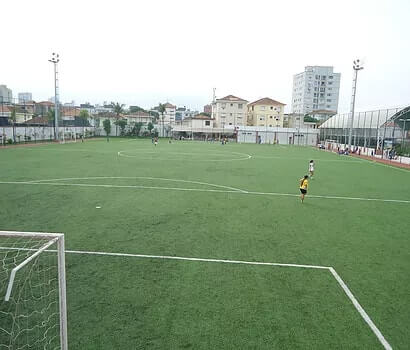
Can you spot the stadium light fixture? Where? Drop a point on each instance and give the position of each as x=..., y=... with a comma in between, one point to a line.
x=55, y=58
x=357, y=65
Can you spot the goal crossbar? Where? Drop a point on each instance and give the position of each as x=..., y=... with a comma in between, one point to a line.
x=51, y=238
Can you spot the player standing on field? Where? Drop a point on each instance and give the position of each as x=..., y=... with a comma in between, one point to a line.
x=303, y=185
x=311, y=168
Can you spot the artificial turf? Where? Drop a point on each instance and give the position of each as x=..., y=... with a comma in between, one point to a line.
x=127, y=303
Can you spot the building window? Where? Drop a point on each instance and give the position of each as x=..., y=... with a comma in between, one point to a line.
x=231, y=104
x=270, y=117
x=270, y=126
x=322, y=95
x=330, y=76
x=261, y=118
x=317, y=76
x=252, y=106
x=328, y=106
x=223, y=105
x=328, y=100
x=271, y=107
x=330, y=82
x=240, y=105
x=230, y=123
x=323, y=77
x=262, y=108
x=329, y=94
x=230, y=114
x=315, y=106
x=329, y=88
x=207, y=123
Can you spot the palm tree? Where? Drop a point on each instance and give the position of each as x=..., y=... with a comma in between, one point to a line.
x=161, y=109
x=118, y=110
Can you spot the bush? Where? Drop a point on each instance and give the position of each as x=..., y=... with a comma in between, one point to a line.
x=10, y=141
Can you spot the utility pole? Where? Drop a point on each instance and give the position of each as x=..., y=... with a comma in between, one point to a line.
x=357, y=65
x=55, y=59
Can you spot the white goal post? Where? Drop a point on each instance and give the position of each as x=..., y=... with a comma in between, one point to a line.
x=33, y=308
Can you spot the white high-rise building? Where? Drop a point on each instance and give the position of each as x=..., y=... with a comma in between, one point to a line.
x=6, y=95
x=315, y=89
x=25, y=97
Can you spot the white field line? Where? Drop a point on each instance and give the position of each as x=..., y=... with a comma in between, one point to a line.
x=204, y=190
x=350, y=295
x=361, y=311
x=374, y=162
x=136, y=178
x=318, y=160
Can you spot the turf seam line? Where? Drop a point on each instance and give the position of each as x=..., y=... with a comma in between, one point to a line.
x=347, y=291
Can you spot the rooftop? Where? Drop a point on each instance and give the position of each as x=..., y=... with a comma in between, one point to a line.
x=266, y=101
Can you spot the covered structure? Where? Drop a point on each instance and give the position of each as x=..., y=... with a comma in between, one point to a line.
x=378, y=129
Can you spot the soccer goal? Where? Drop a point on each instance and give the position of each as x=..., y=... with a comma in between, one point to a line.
x=33, y=313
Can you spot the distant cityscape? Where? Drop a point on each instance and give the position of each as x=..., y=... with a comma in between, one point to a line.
x=315, y=98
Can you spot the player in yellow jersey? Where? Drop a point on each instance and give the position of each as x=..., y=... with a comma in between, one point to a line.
x=303, y=186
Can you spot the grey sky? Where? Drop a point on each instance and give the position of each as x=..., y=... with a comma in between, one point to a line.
x=143, y=52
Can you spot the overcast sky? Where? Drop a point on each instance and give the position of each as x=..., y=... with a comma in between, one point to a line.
x=144, y=51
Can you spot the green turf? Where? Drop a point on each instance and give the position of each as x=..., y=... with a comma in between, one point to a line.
x=143, y=303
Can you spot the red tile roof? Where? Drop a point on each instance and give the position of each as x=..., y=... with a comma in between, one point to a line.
x=231, y=98
x=266, y=101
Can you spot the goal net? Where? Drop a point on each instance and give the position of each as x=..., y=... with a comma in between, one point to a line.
x=32, y=291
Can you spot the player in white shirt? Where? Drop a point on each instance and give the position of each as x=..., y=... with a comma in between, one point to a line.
x=311, y=168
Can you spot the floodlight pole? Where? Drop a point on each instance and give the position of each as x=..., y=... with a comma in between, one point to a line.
x=356, y=67
x=55, y=59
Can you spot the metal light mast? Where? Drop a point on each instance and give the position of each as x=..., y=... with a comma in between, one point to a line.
x=357, y=65
x=55, y=59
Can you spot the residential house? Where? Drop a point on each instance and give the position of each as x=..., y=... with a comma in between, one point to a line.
x=266, y=112
x=199, y=121
x=139, y=117
x=230, y=110
x=297, y=121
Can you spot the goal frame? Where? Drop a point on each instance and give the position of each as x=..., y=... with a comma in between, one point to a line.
x=50, y=239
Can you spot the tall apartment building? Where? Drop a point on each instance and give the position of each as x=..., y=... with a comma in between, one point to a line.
x=230, y=110
x=317, y=88
x=266, y=112
x=6, y=95
x=25, y=97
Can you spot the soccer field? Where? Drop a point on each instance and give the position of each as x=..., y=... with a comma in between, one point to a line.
x=221, y=206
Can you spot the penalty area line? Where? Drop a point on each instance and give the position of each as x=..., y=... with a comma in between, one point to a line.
x=342, y=284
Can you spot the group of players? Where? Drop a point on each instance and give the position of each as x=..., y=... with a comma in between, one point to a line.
x=304, y=183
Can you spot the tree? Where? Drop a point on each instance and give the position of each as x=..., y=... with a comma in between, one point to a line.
x=118, y=110
x=107, y=127
x=150, y=126
x=51, y=119
x=310, y=119
x=13, y=121
x=154, y=114
x=161, y=110
x=135, y=109
x=84, y=118
x=137, y=128
x=122, y=124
